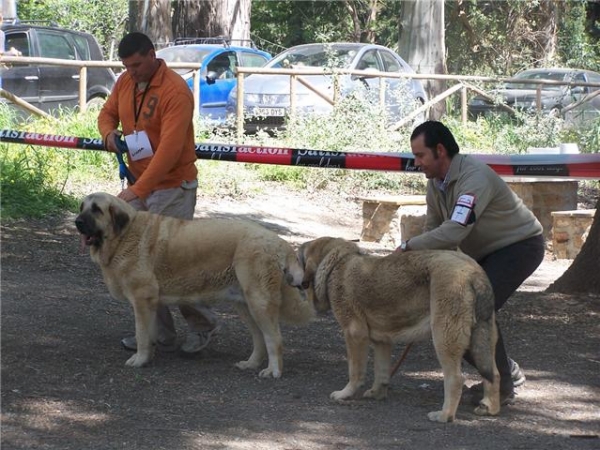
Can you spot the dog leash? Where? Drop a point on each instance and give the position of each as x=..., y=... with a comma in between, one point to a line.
x=402, y=358
x=124, y=172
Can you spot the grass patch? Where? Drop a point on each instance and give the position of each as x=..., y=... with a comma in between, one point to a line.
x=27, y=189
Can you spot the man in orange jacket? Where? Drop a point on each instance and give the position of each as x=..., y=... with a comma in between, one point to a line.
x=154, y=107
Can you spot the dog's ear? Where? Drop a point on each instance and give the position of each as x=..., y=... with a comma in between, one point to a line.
x=310, y=269
x=119, y=219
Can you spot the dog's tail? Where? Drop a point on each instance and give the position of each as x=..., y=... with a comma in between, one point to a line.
x=297, y=305
x=484, y=333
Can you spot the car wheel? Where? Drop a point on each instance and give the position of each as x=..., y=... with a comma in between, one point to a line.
x=95, y=102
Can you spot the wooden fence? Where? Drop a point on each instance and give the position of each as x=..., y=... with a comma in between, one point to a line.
x=462, y=84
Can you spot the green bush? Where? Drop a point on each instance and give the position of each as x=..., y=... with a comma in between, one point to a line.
x=42, y=180
x=27, y=186
x=38, y=180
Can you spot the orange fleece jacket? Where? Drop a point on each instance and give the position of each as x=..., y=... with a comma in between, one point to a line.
x=166, y=116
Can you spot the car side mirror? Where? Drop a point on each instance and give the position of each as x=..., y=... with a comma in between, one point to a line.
x=211, y=76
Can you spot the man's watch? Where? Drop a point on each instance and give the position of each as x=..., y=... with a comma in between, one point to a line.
x=404, y=246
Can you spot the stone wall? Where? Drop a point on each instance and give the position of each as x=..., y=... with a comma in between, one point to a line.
x=545, y=197
x=569, y=231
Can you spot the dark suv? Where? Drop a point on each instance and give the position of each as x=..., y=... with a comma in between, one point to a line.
x=49, y=86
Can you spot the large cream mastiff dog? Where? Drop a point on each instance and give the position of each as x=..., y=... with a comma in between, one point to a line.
x=150, y=259
x=406, y=297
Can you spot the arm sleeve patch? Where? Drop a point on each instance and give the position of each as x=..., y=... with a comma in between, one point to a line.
x=463, y=210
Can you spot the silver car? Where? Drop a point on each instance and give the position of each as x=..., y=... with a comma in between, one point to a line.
x=554, y=98
x=267, y=97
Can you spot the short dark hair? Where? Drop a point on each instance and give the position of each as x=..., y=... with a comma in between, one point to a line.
x=134, y=42
x=436, y=133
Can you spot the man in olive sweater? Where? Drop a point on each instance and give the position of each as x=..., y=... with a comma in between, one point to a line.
x=471, y=209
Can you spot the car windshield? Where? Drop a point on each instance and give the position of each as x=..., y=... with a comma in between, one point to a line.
x=314, y=56
x=557, y=76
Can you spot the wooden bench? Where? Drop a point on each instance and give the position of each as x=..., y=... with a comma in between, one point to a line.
x=380, y=214
x=569, y=231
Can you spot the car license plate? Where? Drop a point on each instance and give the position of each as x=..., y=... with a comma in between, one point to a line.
x=269, y=112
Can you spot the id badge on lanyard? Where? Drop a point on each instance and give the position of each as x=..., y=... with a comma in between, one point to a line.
x=139, y=145
x=138, y=142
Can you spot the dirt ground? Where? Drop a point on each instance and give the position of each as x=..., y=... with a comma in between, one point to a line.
x=65, y=384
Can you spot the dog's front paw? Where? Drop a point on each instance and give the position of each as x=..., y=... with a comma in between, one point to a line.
x=268, y=373
x=340, y=395
x=440, y=416
x=138, y=360
x=377, y=393
x=485, y=410
x=246, y=365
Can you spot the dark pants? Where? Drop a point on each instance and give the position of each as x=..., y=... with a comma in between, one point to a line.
x=507, y=269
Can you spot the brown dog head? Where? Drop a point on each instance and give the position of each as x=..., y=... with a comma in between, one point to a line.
x=319, y=257
x=102, y=217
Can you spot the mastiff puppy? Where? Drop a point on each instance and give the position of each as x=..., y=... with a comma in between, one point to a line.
x=152, y=260
x=404, y=297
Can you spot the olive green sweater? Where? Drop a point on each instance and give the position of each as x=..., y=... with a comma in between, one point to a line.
x=496, y=218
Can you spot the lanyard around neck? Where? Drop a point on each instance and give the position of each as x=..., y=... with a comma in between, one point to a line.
x=138, y=109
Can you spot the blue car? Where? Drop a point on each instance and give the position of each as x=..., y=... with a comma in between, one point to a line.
x=217, y=63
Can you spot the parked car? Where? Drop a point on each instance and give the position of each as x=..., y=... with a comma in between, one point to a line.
x=523, y=96
x=267, y=97
x=217, y=61
x=46, y=86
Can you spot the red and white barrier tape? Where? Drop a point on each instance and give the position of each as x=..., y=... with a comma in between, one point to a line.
x=584, y=166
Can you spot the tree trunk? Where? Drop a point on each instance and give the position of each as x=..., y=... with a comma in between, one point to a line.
x=547, y=37
x=152, y=17
x=422, y=44
x=212, y=18
x=582, y=275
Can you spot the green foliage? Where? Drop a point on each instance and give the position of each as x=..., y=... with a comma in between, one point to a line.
x=105, y=19
x=27, y=187
x=283, y=24
x=505, y=37
x=500, y=134
x=587, y=136
x=36, y=180
x=576, y=47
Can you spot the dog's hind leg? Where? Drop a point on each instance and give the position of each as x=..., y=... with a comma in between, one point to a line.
x=449, y=350
x=453, y=381
x=490, y=404
x=382, y=363
x=268, y=323
x=357, y=348
x=259, y=349
x=261, y=277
